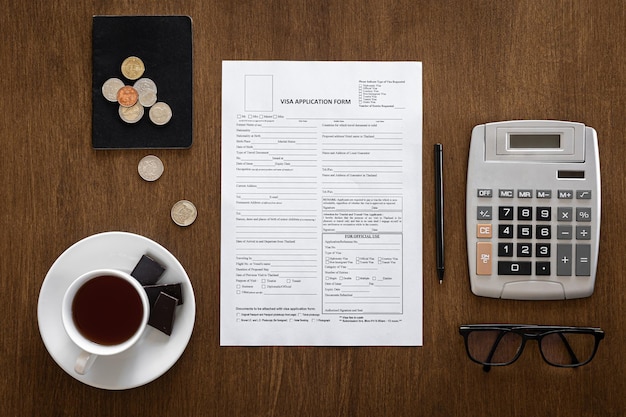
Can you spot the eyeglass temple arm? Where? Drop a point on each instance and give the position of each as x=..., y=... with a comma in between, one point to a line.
x=487, y=368
x=569, y=349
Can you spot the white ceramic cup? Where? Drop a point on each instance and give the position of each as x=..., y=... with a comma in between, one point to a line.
x=91, y=350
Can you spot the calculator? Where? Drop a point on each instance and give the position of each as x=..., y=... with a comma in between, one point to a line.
x=533, y=210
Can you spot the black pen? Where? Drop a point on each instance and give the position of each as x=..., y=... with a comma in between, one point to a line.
x=439, y=208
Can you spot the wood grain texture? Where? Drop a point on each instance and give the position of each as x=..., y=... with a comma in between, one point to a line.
x=483, y=61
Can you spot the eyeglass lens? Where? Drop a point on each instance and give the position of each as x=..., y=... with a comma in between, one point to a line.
x=493, y=346
x=501, y=347
x=567, y=348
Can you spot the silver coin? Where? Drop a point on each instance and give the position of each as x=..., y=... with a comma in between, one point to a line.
x=111, y=87
x=131, y=114
x=160, y=113
x=150, y=168
x=145, y=84
x=184, y=213
x=147, y=98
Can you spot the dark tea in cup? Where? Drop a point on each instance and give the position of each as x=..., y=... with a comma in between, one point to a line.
x=107, y=310
x=104, y=312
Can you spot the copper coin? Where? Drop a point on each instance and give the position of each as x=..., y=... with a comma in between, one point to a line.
x=127, y=96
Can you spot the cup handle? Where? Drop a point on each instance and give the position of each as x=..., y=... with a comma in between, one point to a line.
x=84, y=362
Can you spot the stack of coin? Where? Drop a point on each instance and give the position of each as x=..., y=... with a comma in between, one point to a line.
x=147, y=90
x=133, y=99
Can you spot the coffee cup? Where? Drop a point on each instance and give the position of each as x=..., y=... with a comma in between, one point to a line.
x=104, y=312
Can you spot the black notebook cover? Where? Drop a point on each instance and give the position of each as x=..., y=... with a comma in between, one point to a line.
x=164, y=44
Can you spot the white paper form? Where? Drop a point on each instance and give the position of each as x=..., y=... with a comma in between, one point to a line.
x=321, y=236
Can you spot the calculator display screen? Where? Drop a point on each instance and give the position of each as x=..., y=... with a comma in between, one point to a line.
x=525, y=141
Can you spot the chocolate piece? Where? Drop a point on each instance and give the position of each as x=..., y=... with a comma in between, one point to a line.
x=147, y=271
x=153, y=291
x=162, y=313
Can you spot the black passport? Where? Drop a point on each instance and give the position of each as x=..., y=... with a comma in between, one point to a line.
x=164, y=44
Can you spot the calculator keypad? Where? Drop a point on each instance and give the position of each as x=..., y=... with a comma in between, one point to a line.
x=542, y=240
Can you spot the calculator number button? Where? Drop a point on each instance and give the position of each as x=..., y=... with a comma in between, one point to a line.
x=505, y=213
x=505, y=231
x=505, y=249
x=544, y=214
x=524, y=213
x=514, y=268
x=544, y=232
x=524, y=250
x=542, y=250
x=524, y=231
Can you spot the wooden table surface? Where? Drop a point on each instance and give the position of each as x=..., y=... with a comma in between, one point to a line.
x=483, y=61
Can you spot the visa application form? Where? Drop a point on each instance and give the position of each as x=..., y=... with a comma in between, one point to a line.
x=321, y=221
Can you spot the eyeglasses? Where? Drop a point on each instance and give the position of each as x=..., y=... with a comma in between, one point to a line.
x=501, y=344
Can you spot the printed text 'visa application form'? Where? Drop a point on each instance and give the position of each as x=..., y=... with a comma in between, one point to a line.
x=321, y=240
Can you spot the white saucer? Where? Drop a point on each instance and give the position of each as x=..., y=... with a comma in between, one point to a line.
x=155, y=353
